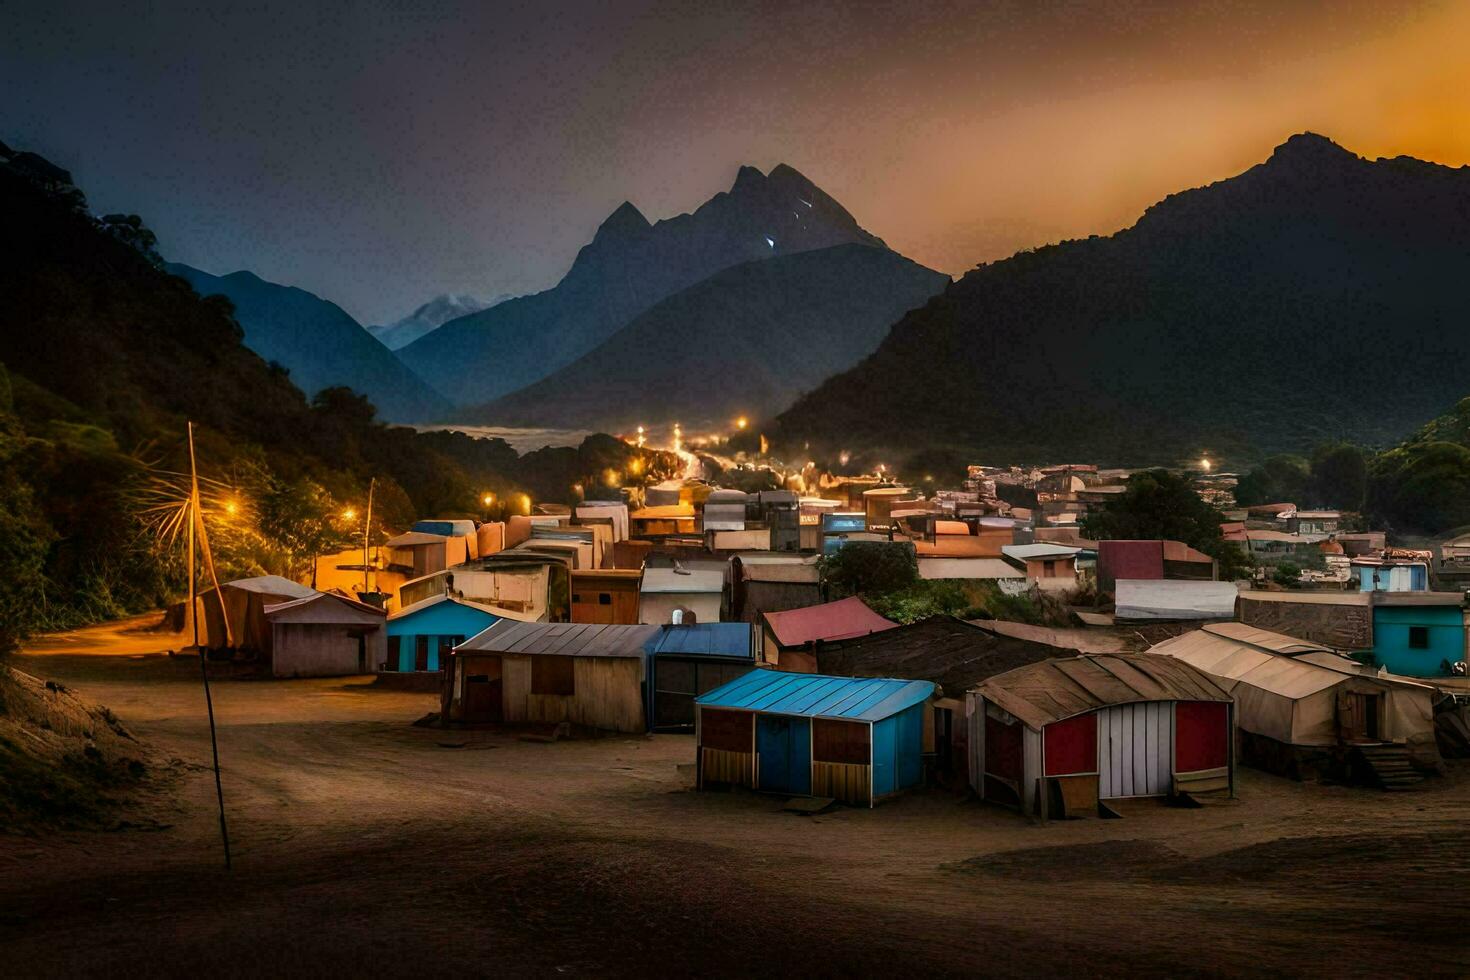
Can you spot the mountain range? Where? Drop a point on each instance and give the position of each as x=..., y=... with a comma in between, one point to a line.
x=429, y=317
x=319, y=343
x=743, y=342
x=629, y=266
x=1318, y=296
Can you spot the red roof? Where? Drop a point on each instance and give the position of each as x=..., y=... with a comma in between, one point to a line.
x=838, y=620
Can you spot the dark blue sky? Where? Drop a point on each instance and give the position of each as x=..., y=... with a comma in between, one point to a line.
x=379, y=153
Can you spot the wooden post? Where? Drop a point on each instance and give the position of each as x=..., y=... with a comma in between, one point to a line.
x=366, y=531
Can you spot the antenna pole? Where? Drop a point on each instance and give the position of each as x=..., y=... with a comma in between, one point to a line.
x=197, y=519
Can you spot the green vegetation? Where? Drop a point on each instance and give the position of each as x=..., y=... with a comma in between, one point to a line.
x=1336, y=476
x=1163, y=504
x=886, y=576
x=105, y=358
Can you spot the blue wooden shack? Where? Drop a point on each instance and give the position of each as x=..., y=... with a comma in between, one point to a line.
x=1419, y=634
x=687, y=661
x=421, y=635
x=855, y=739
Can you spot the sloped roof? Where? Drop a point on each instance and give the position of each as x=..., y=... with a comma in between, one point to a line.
x=434, y=600
x=673, y=580
x=828, y=621
x=817, y=695
x=271, y=585
x=1039, y=550
x=411, y=538
x=950, y=652
x=285, y=609
x=705, y=640
x=1174, y=599
x=1262, y=659
x=1053, y=690
x=563, y=639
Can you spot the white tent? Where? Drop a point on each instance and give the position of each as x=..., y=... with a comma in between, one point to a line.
x=1283, y=696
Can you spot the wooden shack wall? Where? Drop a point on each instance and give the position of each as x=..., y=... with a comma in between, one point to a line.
x=608, y=694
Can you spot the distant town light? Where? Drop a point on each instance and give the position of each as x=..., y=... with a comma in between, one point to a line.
x=488, y=499
x=348, y=514
x=741, y=422
x=1205, y=465
x=230, y=507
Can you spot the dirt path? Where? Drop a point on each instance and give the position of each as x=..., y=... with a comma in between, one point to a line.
x=363, y=844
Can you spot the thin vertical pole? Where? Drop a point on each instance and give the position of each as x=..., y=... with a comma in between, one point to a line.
x=197, y=517
x=366, y=530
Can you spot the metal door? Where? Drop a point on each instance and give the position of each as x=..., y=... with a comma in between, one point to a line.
x=784, y=750
x=1135, y=750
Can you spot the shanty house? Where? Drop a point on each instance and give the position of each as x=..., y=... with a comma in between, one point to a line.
x=696, y=594
x=325, y=635
x=421, y=636
x=772, y=583
x=790, y=638
x=1059, y=736
x=687, y=661
x=1048, y=566
x=606, y=595
x=1297, y=700
x=243, y=609
x=857, y=740
x=952, y=654
x=588, y=675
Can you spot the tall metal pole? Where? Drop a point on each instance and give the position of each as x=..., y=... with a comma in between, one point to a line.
x=195, y=517
x=366, y=530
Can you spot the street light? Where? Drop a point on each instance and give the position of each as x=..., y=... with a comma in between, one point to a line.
x=348, y=514
x=741, y=422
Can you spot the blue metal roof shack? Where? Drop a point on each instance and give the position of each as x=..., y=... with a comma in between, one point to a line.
x=868, y=699
x=704, y=640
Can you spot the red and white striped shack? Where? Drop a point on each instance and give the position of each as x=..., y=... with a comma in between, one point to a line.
x=1056, y=737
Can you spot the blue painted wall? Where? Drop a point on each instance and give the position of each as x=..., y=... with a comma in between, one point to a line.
x=1418, y=578
x=785, y=748
x=1391, y=649
x=441, y=619
x=898, y=751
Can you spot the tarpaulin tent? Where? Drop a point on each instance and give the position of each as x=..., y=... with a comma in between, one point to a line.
x=1297, y=701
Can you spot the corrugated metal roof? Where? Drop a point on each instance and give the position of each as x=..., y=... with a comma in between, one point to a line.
x=705, y=640
x=271, y=585
x=678, y=581
x=434, y=600
x=564, y=639
x=818, y=695
x=1052, y=690
x=411, y=538
x=1174, y=599
x=829, y=621
x=1021, y=552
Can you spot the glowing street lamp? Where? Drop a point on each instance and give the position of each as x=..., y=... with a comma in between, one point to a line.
x=741, y=422
x=348, y=514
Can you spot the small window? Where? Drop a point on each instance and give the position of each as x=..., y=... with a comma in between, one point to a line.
x=604, y=598
x=553, y=675
x=1418, y=637
x=576, y=597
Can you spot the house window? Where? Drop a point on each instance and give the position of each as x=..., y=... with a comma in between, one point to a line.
x=604, y=598
x=553, y=675
x=1418, y=637
x=1050, y=568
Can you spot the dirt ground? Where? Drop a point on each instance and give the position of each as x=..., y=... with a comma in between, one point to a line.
x=364, y=844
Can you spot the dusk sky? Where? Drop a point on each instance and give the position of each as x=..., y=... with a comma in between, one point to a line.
x=379, y=153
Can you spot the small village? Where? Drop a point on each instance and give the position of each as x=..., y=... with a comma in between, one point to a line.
x=682, y=607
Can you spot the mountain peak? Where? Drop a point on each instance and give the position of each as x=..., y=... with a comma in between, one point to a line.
x=1311, y=150
x=626, y=220
x=747, y=176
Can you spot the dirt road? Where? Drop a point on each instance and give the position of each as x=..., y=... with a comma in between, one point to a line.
x=364, y=844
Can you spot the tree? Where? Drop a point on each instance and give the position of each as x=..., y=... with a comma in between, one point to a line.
x=1162, y=504
x=1280, y=479
x=1339, y=476
x=870, y=567
x=1422, y=487
x=24, y=539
